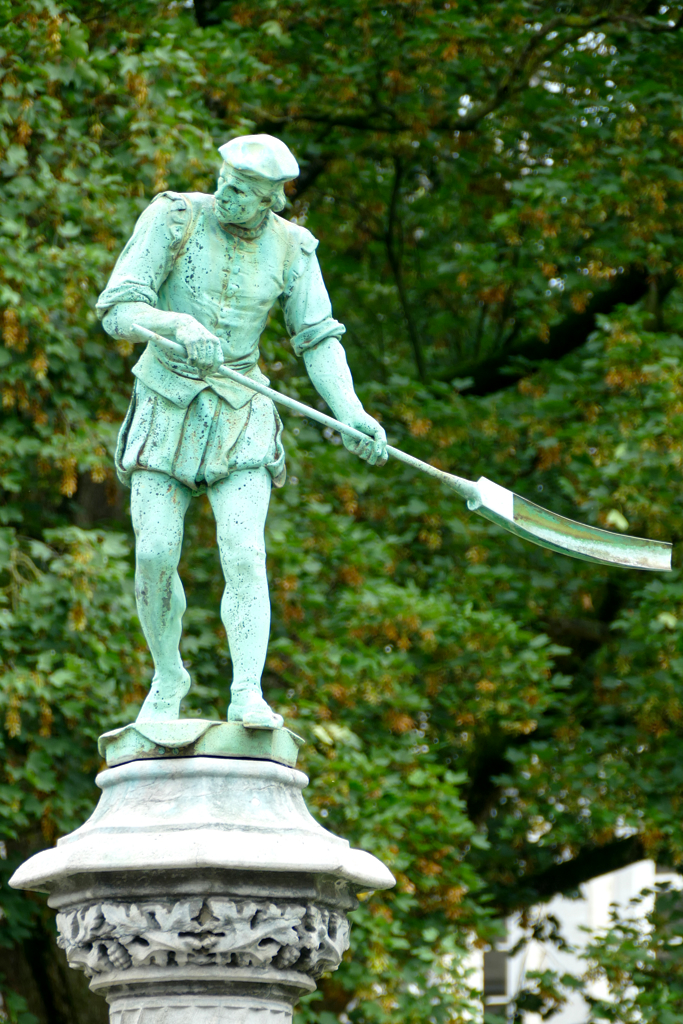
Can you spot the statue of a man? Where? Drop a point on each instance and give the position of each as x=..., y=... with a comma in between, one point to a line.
x=205, y=271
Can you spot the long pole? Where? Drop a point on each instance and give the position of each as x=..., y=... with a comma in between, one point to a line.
x=466, y=488
x=511, y=511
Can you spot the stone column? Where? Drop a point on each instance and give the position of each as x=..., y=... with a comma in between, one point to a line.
x=202, y=891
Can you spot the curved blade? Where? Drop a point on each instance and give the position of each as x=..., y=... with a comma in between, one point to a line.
x=548, y=530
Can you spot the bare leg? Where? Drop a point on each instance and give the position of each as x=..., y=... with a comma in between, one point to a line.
x=158, y=507
x=240, y=505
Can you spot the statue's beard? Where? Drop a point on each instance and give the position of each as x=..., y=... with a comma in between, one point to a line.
x=229, y=212
x=226, y=214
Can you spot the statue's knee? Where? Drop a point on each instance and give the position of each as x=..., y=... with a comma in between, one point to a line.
x=153, y=558
x=246, y=562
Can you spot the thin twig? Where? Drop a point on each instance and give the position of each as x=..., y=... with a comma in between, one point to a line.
x=395, y=262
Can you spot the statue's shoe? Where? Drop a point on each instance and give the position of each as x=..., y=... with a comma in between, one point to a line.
x=162, y=703
x=253, y=712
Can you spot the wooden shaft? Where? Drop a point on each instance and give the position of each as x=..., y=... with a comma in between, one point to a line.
x=465, y=488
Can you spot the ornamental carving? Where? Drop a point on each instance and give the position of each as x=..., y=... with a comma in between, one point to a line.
x=106, y=937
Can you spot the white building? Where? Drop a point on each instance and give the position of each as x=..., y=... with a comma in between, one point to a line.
x=504, y=975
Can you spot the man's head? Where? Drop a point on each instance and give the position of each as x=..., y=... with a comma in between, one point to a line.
x=252, y=178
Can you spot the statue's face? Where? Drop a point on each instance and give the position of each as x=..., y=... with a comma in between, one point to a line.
x=243, y=200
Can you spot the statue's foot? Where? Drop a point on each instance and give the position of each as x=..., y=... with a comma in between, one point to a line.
x=162, y=703
x=248, y=707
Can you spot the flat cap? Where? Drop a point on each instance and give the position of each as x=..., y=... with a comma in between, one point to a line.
x=261, y=155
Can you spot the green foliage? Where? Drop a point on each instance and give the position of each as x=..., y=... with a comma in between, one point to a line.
x=13, y=1008
x=485, y=716
x=641, y=963
x=73, y=655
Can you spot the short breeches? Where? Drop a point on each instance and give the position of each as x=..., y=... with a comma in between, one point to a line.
x=202, y=444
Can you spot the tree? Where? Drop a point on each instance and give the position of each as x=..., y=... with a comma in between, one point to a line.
x=498, y=193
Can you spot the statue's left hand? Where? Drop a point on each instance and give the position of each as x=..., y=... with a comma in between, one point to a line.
x=374, y=450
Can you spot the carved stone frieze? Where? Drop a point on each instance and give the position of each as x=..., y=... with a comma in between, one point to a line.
x=104, y=937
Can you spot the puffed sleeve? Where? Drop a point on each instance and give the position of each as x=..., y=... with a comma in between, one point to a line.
x=148, y=257
x=306, y=304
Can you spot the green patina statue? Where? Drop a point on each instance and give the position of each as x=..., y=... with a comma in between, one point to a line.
x=204, y=271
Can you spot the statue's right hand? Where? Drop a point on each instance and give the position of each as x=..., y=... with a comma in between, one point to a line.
x=203, y=348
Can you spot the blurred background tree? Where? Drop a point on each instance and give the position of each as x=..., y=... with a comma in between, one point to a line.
x=498, y=191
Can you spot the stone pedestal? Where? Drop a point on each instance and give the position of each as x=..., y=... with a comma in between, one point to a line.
x=201, y=891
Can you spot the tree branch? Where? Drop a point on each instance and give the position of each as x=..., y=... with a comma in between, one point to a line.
x=394, y=259
x=310, y=173
x=590, y=862
x=493, y=374
x=369, y=121
x=530, y=58
x=656, y=27
x=517, y=76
